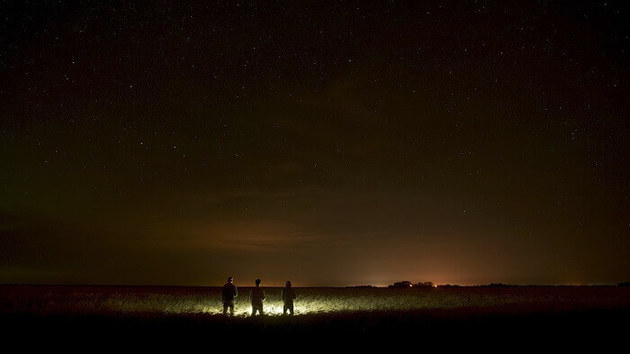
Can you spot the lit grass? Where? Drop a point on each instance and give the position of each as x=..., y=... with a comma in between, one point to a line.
x=207, y=300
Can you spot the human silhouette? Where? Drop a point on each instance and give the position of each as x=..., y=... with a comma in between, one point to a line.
x=288, y=295
x=257, y=296
x=229, y=293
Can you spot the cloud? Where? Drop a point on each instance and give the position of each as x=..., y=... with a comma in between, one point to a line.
x=246, y=235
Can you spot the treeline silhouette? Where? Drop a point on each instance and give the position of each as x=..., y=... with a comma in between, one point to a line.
x=408, y=284
x=405, y=284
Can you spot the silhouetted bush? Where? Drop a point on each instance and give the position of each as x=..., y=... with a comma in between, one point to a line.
x=361, y=286
x=401, y=284
x=497, y=285
x=426, y=284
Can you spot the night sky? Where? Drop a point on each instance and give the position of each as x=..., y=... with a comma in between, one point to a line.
x=329, y=143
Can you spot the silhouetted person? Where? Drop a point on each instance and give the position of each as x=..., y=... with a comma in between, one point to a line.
x=229, y=293
x=288, y=295
x=257, y=296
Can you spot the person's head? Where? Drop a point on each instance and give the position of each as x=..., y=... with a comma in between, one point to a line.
x=257, y=282
x=230, y=279
x=288, y=285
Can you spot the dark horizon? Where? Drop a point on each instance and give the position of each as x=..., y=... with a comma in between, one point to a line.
x=278, y=286
x=327, y=143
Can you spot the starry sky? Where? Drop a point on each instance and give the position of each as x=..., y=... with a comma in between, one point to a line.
x=329, y=143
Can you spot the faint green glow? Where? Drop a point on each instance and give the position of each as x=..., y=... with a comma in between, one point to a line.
x=309, y=300
x=271, y=308
x=312, y=301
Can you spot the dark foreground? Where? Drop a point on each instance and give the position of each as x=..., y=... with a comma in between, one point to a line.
x=456, y=330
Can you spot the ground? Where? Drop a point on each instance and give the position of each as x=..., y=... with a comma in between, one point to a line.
x=461, y=330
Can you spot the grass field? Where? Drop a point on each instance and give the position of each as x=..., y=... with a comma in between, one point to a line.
x=96, y=318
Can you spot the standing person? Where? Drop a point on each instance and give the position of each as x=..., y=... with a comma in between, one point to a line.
x=288, y=295
x=257, y=296
x=229, y=293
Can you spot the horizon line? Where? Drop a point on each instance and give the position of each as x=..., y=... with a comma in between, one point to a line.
x=493, y=284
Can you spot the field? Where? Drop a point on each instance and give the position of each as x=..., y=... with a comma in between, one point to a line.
x=444, y=319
